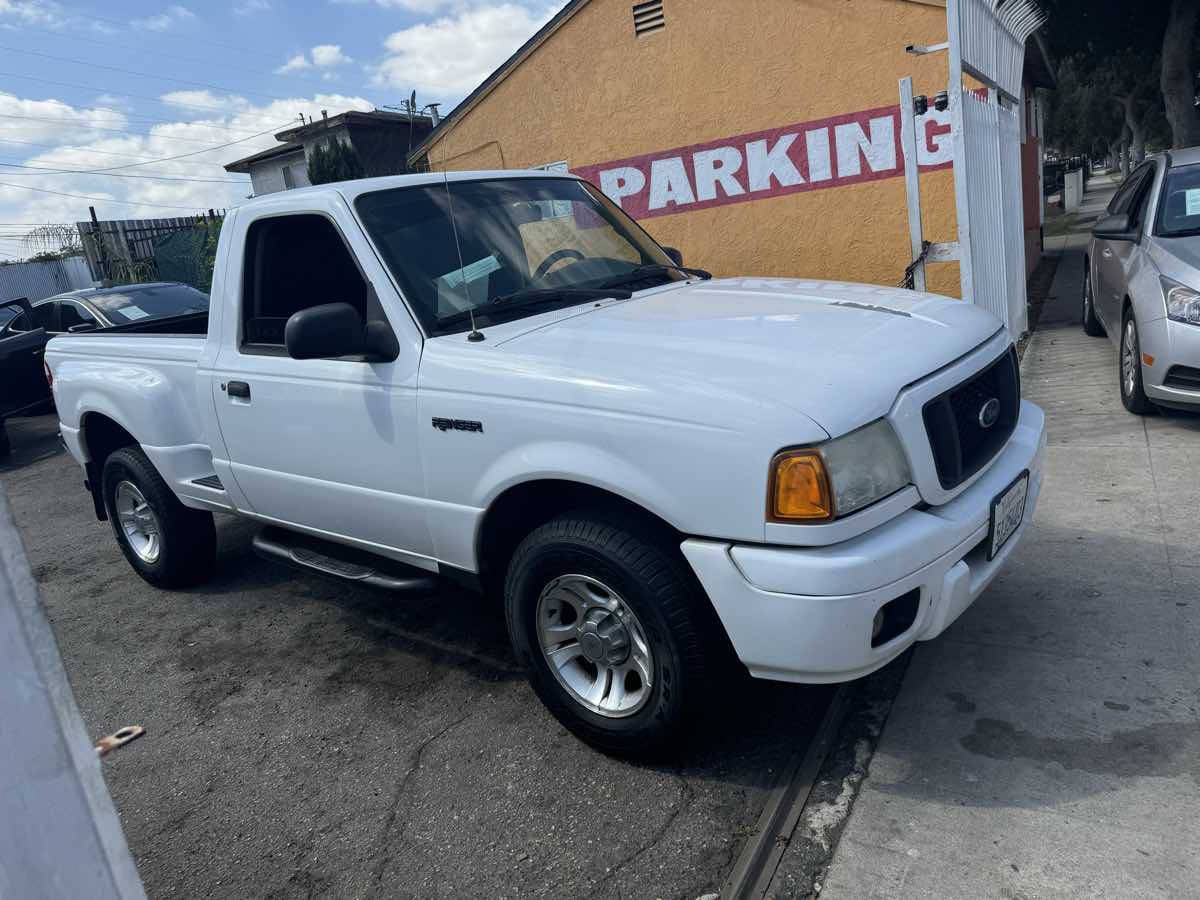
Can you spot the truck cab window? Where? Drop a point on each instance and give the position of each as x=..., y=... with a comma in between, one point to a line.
x=292, y=263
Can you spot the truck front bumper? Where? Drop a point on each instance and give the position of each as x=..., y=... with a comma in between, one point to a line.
x=809, y=614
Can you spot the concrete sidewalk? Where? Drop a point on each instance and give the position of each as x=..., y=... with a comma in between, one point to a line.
x=1048, y=744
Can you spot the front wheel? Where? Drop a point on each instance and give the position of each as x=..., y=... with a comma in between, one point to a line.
x=616, y=635
x=167, y=543
x=1133, y=394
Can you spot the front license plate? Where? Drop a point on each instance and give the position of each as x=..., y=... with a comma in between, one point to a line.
x=1008, y=509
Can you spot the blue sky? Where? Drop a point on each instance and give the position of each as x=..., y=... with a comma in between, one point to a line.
x=121, y=85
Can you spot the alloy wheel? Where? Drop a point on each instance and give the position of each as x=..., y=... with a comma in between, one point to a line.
x=138, y=522
x=1129, y=359
x=595, y=645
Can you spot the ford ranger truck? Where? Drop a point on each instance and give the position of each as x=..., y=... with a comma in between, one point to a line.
x=500, y=378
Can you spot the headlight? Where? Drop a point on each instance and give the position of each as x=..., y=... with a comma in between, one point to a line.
x=1183, y=303
x=817, y=484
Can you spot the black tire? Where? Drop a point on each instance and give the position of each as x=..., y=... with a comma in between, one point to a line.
x=187, y=545
x=1132, y=396
x=1091, y=325
x=648, y=573
x=5, y=446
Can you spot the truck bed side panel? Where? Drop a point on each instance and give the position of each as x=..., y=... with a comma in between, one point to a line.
x=147, y=385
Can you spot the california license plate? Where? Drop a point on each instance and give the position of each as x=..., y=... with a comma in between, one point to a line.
x=1008, y=509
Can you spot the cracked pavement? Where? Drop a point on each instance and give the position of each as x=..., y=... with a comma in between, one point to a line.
x=306, y=737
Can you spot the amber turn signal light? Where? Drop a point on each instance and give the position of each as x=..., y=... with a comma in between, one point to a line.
x=799, y=490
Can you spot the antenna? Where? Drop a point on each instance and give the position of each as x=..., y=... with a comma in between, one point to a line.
x=476, y=334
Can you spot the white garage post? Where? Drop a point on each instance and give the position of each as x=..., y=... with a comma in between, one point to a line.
x=987, y=43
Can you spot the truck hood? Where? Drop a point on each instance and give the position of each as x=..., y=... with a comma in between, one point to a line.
x=835, y=352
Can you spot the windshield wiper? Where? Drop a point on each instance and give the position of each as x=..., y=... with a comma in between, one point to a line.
x=533, y=297
x=1183, y=232
x=640, y=272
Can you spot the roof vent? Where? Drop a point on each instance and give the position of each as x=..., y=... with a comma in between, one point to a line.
x=648, y=17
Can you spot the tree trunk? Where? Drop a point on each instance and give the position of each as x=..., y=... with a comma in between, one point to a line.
x=1135, y=129
x=1177, y=79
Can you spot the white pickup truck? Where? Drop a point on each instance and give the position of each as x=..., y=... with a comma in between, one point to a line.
x=499, y=377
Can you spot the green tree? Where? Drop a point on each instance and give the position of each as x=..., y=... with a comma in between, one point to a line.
x=333, y=161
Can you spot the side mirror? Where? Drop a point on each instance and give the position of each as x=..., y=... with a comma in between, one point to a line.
x=82, y=326
x=320, y=332
x=676, y=256
x=1115, y=228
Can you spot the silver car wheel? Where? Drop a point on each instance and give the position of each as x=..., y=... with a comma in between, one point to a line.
x=1129, y=359
x=595, y=645
x=138, y=522
x=1087, y=300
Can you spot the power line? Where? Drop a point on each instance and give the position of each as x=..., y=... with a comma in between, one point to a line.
x=25, y=187
x=173, y=56
x=193, y=153
x=4, y=140
x=89, y=127
x=224, y=110
x=49, y=170
x=84, y=62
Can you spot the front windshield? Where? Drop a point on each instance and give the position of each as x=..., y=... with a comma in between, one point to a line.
x=158, y=301
x=514, y=236
x=1180, y=205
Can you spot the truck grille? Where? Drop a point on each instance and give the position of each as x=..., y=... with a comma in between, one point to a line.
x=964, y=437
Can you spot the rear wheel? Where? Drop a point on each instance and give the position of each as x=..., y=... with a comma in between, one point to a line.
x=1091, y=325
x=1133, y=395
x=616, y=635
x=167, y=543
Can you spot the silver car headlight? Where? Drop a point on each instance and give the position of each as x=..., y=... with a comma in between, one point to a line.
x=1183, y=303
x=865, y=465
x=818, y=484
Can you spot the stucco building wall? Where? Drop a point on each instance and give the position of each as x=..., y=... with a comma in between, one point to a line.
x=267, y=177
x=592, y=93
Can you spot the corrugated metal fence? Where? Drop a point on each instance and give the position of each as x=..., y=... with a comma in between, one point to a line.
x=36, y=280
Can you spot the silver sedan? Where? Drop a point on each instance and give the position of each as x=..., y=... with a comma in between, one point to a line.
x=1142, y=282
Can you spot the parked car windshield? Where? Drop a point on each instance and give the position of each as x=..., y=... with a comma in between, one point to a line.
x=1180, y=214
x=463, y=245
x=150, y=302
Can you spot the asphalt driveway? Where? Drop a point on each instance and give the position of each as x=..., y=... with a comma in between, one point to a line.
x=309, y=737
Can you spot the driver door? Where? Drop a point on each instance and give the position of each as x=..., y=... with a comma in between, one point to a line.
x=22, y=379
x=1108, y=287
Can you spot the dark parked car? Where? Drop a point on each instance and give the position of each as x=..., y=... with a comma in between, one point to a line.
x=25, y=329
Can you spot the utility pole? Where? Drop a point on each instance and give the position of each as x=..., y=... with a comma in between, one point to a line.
x=101, y=256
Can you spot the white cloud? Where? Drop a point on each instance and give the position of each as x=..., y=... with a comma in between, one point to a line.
x=449, y=57
x=299, y=61
x=250, y=7
x=80, y=144
x=165, y=20
x=197, y=100
x=325, y=55
x=31, y=12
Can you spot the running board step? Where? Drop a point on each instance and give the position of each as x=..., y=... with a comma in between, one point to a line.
x=338, y=561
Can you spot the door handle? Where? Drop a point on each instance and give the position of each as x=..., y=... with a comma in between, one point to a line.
x=1106, y=253
x=239, y=389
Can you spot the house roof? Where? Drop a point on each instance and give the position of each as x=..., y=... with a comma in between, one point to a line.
x=351, y=117
x=568, y=10
x=245, y=163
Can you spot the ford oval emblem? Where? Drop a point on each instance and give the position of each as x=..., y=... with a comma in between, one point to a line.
x=989, y=413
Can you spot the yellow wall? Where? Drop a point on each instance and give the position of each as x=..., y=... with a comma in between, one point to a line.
x=592, y=92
